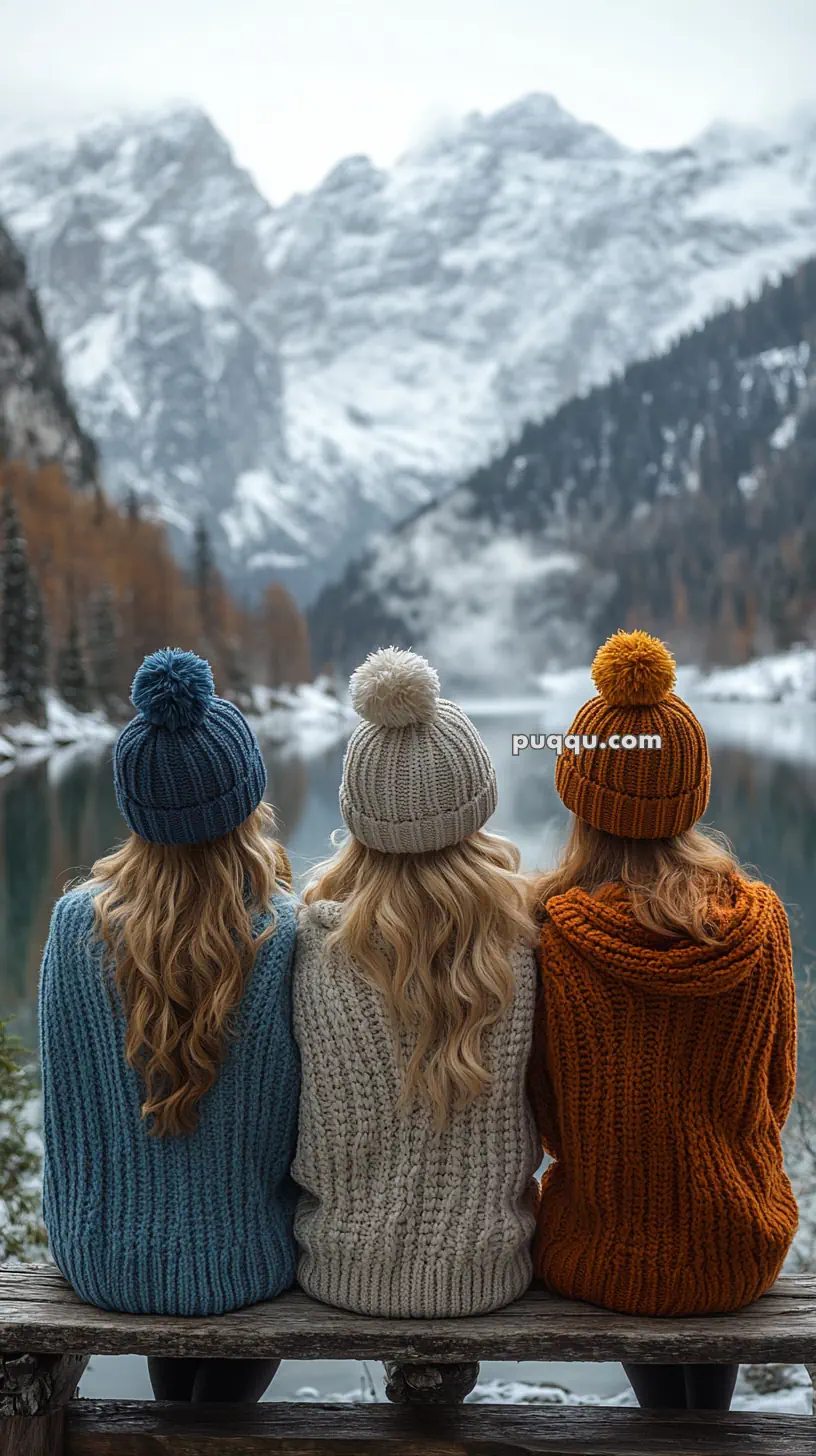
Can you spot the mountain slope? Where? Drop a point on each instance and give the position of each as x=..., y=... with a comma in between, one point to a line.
x=141, y=241
x=37, y=419
x=311, y=373
x=679, y=497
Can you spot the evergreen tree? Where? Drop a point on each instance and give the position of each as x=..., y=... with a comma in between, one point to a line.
x=205, y=581
x=21, y=1233
x=72, y=678
x=102, y=648
x=36, y=659
x=14, y=587
x=286, y=638
x=100, y=505
x=23, y=647
x=240, y=688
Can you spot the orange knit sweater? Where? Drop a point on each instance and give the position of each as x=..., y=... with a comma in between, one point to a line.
x=661, y=1075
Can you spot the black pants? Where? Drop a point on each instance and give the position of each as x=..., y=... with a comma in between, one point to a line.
x=201, y=1381
x=683, y=1387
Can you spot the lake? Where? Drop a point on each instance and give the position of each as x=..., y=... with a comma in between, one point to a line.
x=57, y=815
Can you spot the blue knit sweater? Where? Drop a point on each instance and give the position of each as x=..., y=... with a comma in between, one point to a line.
x=193, y=1224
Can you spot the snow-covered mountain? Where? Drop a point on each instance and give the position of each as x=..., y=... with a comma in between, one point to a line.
x=309, y=373
x=678, y=498
x=37, y=419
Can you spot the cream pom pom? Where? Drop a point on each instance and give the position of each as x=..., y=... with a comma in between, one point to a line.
x=393, y=688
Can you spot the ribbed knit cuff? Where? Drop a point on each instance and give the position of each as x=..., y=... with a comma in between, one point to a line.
x=190, y=1278
x=414, y=1290
x=197, y=822
x=628, y=815
x=421, y=836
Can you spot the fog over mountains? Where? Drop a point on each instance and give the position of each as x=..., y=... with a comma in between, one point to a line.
x=307, y=374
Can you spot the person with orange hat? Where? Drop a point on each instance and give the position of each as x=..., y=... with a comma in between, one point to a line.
x=664, y=1054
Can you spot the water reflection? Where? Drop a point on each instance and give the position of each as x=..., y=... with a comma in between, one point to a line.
x=29, y=823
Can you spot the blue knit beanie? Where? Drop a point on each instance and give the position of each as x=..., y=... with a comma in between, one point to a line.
x=188, y=768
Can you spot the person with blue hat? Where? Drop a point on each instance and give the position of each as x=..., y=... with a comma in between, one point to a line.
x=170, y=1072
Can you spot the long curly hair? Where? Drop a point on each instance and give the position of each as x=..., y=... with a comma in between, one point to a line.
x=435, y=934
x=176, y=922
x=675, y=885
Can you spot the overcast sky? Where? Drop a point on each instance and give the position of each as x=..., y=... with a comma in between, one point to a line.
x=297, y=84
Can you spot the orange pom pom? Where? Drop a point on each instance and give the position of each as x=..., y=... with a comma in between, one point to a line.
x=633, y=669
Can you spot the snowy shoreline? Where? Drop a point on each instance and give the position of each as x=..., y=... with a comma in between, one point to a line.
x=305, y=720
x=22, y=743
x=781, y=677
x=311, y=718
x=781, y=1388
x=302, y=721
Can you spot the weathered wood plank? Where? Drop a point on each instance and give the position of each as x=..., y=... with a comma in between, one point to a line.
x=39, y=1291
x=780, y=1327
x=33, y=1435
x=31, y=1385
x=133, y=1428
x=34, y=1390
x=14, y=1281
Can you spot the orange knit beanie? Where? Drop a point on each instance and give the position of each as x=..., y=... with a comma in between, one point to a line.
x=636, y=792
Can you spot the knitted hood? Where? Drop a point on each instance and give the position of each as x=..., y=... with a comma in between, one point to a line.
x=603, y=930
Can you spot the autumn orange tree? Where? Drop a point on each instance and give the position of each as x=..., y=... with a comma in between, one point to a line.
x=112, y=591
x=282, y=639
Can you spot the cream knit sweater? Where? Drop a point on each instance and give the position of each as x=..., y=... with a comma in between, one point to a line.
x=394, y=1218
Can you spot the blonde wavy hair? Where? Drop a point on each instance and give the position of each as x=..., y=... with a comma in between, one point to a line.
x=675, y=885
x=435, y=934
x=176, y=924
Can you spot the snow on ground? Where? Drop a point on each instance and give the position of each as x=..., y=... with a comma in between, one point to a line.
x=783, y=677
x=304, y=721
x=771, y=730
x=569, y=682
x=786, y=677
x=20, y=742
x=781, y=1388
x=793, y=1396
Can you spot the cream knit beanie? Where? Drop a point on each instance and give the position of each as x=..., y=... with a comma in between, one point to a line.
x=416, y=775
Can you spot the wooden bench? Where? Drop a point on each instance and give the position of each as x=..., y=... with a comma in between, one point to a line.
x=47, y=1336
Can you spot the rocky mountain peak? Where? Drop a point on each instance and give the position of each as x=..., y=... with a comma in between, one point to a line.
x=308, y=373
x=538, y=124
x=735, y=142
x=353, y=173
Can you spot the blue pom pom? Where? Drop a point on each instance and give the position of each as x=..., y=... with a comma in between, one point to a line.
x=173, y=689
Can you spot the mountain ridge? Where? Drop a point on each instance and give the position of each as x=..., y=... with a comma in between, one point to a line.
x=677, y=497
x=307, y=374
